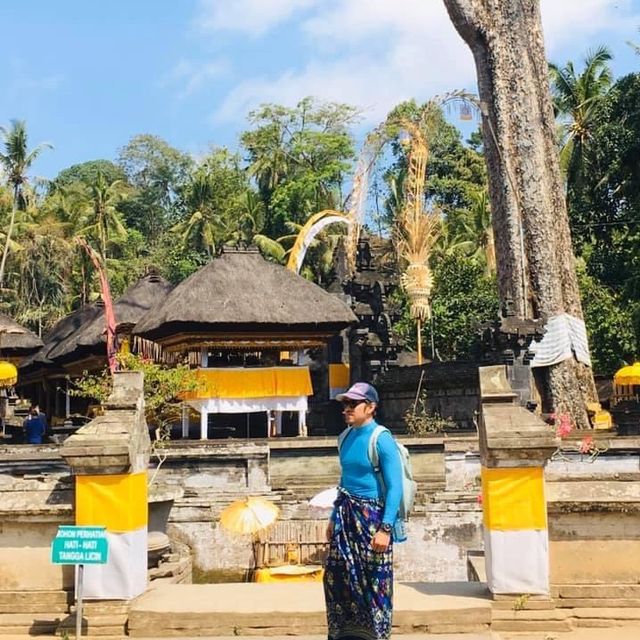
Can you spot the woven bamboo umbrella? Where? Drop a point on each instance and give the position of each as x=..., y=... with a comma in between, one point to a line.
x=8, y=374
x=249, y=515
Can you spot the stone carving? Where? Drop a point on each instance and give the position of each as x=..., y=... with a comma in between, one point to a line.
x=508, y=433
x=118, y=441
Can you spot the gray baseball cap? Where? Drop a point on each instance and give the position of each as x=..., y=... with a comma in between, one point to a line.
x=359, y=391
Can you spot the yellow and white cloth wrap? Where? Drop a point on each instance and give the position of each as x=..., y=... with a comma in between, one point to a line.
x=119, y=503
x=516, y=538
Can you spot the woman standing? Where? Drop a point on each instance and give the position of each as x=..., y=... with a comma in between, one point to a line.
x=358, y=578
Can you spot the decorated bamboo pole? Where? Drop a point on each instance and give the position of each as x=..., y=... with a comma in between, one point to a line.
x=416, y=232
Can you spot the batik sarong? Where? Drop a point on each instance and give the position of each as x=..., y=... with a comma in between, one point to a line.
x=358, y=582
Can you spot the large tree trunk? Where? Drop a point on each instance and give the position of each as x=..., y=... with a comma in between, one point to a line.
x=535, y=262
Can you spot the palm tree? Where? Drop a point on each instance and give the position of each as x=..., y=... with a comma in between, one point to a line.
x=577, y=97
x=43, y=262
x=100, y=217
x=476, y=238
x=16, y=161
x=205, y=227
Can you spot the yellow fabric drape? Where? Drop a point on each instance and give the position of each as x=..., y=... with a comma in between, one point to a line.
x=339, y=376
x=267, y=382
x=117, y=502
x=513, y=499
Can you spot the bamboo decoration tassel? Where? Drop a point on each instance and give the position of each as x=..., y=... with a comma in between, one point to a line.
x=416, y=233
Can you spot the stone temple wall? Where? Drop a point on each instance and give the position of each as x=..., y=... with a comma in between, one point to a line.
x=594, y=506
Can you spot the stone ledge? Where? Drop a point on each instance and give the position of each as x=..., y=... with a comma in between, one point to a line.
x=604, y=591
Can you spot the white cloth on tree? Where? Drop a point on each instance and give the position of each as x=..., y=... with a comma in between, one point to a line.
x=565, y=337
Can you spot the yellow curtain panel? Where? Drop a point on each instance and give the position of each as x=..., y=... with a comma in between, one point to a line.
x=117, y=502
x=339, y=375
x=268, y=382
x=513, y=499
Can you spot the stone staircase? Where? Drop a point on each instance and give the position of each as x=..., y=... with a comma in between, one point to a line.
x=297, y=609
x=33, y=613
x=103, y=619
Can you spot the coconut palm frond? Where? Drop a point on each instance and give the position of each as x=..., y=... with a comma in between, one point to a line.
x=270, y=248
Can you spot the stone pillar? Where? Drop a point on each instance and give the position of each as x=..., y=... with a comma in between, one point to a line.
x=514, y=448
x=109, y=458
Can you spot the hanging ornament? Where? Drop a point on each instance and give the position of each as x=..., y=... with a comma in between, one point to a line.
x=465, y=112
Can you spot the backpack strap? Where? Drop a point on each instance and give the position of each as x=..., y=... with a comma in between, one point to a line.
x=342, y=437
x=373, y=447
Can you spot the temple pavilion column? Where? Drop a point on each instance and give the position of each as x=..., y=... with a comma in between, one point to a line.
x=185, y=420
x=204, y=424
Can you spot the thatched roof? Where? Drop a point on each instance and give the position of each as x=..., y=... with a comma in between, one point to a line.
x=16, y=340
x=241, y=292
x=59, y=332
x=128, y=309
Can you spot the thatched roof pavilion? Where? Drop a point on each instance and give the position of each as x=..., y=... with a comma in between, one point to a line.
x=240, y=300
x=41, y=360
x=16, y=341
x=89, y=339
x=77, y=343
x=242, y=305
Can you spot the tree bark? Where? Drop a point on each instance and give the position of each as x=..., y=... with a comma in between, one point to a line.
x=535, y=262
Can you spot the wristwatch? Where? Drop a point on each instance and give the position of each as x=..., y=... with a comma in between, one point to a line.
x=386, y=527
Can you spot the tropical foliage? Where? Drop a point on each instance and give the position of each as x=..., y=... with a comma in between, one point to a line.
x=157, y=205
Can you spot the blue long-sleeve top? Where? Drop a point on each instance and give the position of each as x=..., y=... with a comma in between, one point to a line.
x=358, y=476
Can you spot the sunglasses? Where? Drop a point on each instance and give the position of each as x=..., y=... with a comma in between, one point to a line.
x=351, y=404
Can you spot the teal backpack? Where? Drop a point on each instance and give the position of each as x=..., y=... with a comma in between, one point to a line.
x=409, y=485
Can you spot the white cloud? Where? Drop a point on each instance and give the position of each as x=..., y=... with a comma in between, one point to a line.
x=252, y=17
x=376, y=53
x=575, y=22
x=370, y=53
x=191, y=76
x=23, y=79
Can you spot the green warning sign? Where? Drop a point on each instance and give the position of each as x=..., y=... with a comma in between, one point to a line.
x=80, y=545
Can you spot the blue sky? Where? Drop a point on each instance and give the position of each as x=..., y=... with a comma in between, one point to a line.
x=86, y=75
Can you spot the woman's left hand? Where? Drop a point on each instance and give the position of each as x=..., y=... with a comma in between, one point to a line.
x=380, y=541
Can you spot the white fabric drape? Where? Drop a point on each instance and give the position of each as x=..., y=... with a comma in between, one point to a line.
x=565, y=336
x=250, y=405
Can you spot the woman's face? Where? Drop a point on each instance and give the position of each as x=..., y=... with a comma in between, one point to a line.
x=357, y=412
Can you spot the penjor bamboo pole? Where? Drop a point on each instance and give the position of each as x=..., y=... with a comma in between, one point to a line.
x=419, y=331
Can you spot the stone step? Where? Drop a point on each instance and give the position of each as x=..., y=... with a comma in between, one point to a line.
x=21, y=598
x=103, y=607
x=96, y=625
x=555, y=620
x=410, y=636
x=29, y=624
x=604, y=591
x=605, y=614
x=298, y=609
x=589, y=603
x=57, y=609
x=530, y=626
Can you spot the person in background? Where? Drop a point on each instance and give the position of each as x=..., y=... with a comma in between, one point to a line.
x=43, y=419
x=34, y=426
x=358, y=577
